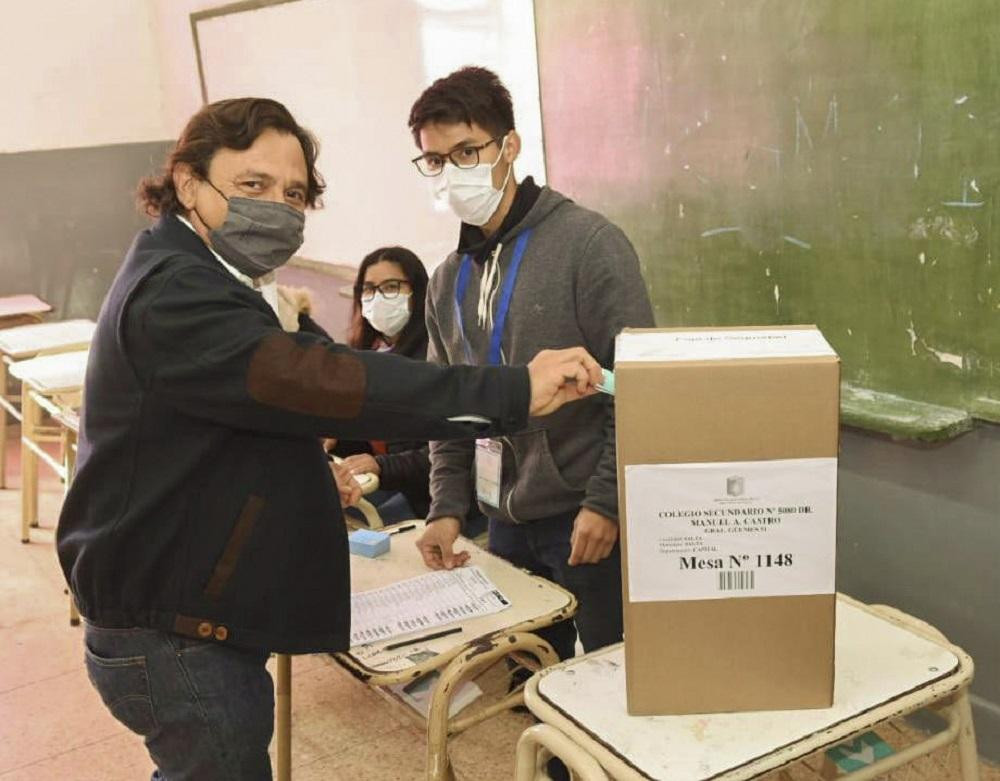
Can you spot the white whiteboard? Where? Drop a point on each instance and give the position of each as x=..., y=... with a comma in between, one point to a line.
x=350, y=71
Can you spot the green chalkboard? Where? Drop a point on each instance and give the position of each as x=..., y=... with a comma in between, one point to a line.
x=817, y=161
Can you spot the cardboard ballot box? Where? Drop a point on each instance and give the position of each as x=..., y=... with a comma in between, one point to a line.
x=727, y=472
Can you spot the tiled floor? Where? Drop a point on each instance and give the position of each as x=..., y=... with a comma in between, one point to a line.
x=53, y=726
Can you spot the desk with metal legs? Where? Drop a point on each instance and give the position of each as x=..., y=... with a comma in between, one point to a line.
x=888, y=665
x=483, y=641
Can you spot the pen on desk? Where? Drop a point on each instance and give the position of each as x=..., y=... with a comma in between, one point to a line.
x=423, y=638
x=402, y=529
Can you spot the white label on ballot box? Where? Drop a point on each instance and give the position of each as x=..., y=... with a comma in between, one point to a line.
x=489, y=454
x=736, y=529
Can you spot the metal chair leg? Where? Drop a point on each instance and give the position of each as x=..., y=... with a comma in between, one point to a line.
x=968, y=757
x=283, y=717
x=530, y=755
x=483, y=654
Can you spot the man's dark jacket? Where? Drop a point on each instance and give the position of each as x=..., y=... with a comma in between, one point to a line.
x=203, y=503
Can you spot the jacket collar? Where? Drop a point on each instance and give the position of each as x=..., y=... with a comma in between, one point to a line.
x=173, y=232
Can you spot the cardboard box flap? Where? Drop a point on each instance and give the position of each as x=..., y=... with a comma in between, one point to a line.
x=720, y=344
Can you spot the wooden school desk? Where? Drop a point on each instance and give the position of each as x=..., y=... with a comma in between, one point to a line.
x=535, y=603
x=29, y=341
x=888, y=665
x=49, y=382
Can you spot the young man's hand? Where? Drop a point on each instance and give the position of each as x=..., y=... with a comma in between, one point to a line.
x=561, y=376
x=437, y=541
x=348, y=488
x=362, y=463
x=593, y=538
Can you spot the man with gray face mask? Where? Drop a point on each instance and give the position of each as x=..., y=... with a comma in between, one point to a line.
x=203, y=530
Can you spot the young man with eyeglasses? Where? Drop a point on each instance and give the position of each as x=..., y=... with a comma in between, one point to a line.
x=532, y=269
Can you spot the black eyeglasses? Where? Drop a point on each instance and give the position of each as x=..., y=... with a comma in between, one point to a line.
x=389, y=288
x=432, y=164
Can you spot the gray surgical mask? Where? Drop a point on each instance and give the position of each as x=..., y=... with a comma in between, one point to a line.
x=257, y=236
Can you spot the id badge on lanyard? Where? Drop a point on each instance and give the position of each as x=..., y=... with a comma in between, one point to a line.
x=489, y=452
x=489, y=455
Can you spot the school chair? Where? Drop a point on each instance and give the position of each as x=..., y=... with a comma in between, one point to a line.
x=888, y=665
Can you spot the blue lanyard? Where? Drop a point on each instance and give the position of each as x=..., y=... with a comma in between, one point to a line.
x=506, y=294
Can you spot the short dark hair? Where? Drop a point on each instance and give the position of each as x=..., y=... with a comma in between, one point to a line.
x=468, y=95
x=229, y=124
x=413, y=339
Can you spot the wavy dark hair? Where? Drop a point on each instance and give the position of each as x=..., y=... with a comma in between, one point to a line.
x=229, y=124
x=470, y=94
x=412, y=340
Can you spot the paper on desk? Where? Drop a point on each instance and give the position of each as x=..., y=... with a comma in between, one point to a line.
x=30, y=339
x=417, y=694
x=53, y=372
x=417, y=605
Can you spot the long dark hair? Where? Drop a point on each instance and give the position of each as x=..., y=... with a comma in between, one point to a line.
x=229, y=124
x=412, y=340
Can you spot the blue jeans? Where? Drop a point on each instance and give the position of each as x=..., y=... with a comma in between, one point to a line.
x=204, y=710
x=542, y=547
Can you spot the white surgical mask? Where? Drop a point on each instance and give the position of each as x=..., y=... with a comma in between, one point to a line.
x=387, y=315
x=470, y=191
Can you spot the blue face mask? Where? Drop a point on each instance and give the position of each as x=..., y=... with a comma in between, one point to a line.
x=257, y=237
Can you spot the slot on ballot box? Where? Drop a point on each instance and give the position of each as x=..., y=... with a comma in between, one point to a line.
x=727, y=470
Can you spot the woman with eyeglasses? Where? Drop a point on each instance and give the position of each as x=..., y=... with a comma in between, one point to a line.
x=388, y=315
x=388, y=311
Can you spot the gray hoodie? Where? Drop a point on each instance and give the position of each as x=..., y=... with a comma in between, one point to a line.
x=579, y=284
